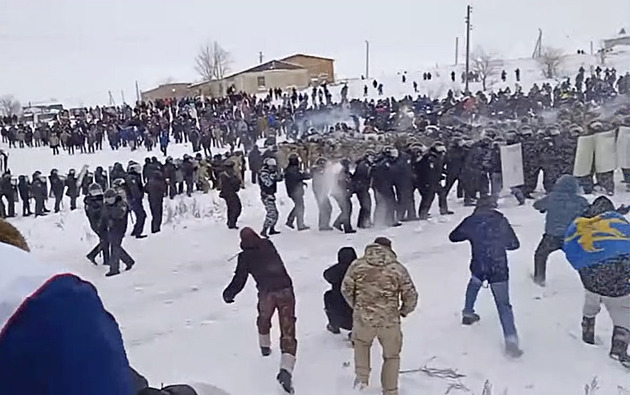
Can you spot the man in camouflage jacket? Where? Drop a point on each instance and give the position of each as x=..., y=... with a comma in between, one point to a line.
x=380, y=291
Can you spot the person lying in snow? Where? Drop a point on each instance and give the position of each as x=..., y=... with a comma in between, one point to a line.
x=598, y=246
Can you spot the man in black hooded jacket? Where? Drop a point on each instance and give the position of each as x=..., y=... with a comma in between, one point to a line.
x=294, y=181
x=338, y=311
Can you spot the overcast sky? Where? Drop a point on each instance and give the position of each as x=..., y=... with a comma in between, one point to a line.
x=76, y=50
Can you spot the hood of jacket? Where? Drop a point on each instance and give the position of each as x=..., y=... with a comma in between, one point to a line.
x=346, y=256
x=378, y=255
x=567, y=184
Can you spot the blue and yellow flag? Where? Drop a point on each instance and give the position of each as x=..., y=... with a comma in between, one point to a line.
x=589, y=241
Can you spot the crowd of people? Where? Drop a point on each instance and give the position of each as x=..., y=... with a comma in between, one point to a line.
x=382, y=152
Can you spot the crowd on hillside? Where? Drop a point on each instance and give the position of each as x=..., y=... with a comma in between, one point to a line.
x=239, y=118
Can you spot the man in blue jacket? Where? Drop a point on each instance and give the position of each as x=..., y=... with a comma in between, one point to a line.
x=561, y=206
x=490, y=236
x=598, y=246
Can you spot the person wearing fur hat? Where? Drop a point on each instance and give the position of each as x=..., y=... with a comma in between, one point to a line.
x=260, y=259
x=490, y=236
x=597, y=245
x=47, y=308
x=380, y=291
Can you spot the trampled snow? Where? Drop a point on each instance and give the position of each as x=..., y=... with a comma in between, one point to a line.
x=177, y=328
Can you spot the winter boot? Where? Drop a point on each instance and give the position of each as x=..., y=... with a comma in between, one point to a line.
x=470, y=319
x=285, y=380
x=303, y=228
x=112, y=272
x=619, y=348
x=273, y=231
x=265, y=351
x=588, y=330
x=512, y=350
x=290, y=225
x=263, y=233
x=333, y=329
x=348, y=230
x=359, y=384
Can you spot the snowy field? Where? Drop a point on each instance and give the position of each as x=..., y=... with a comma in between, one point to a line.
x=177, y=329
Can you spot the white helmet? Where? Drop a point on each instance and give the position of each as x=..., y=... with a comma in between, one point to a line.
x=270, y=162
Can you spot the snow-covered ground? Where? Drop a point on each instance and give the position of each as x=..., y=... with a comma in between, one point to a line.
x=177, y=329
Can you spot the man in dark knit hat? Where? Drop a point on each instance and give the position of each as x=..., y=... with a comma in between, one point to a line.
x=275, y=292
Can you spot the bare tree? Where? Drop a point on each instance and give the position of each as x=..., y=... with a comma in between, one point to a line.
x=10, y=106
x=213, y=61
x=550, y=61
x=484, y=65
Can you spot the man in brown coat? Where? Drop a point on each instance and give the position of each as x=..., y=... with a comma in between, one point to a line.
x=380, y=291
x=275, y=292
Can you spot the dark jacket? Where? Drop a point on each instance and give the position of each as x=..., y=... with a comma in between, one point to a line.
x=490, y=235
x=294, y=181
x=260, y=259
x=115, y=217
x=609, y=278
x=230, y=184
x=562, y=206
x=335, y=274
x=156, y=187
x=94, y=211
x=72, y=189
x=255, y=160
x=135, y=187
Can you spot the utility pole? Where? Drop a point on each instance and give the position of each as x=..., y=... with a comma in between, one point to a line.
x=137, y=92
x=468, y=29
x=456, y=51
x=367, y=60
x=260, y=57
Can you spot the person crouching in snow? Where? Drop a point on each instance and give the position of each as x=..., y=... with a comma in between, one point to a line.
x=275, y=292
x=598, y=246
x=56, y=337
x=338, y=311
x=490, y=236
x=561, y=207
x=380, y=291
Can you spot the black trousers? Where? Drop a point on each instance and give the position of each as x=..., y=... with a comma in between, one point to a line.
x=547, y=245
x=234, y=208
x=297, y=213
x=365, y=209
x=337, y=310
x=156, y=206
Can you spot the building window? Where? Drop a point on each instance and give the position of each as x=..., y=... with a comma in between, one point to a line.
x=261, y=82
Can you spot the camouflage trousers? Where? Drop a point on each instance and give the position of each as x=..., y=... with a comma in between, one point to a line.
x=284, y=302
x=391, y=340
x=271, y=211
